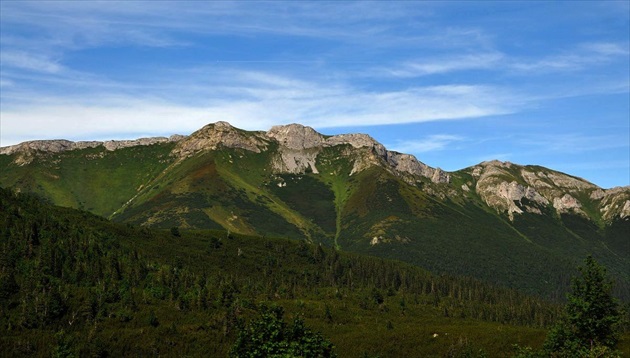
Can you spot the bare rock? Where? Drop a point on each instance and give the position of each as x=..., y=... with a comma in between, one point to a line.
x=215, y=135
x=295, y=161
x=296, y=136
x=567, y=204
x=300, y=145
x=615, y=203
x=27, y=151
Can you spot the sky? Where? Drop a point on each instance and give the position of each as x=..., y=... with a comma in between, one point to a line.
x=453, y=83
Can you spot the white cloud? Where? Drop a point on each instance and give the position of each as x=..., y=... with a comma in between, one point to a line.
x=255, y=101
x=445, y=65
x=575, y=143
x=428, y=144
x=28, y=61
x=583, y=56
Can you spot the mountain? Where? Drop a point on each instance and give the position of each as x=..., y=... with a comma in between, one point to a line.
x=519, y=226
x=75, y=284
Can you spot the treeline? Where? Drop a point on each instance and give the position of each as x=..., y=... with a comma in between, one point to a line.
x=101, y=284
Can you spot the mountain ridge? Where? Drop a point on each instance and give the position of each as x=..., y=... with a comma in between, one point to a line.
x=298, y=155
x=518, y=226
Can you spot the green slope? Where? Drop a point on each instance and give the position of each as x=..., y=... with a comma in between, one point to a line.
x=439, y=227
x=95, y=179
x=76, y=283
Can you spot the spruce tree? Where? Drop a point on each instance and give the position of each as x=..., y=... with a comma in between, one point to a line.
x=591, y=315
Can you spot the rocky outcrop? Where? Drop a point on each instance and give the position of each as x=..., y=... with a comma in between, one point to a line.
x=300, y=145
x=27, y=151
x=407, y=163
x=296, y=137
x=499, y=188
x=219, y=134
x=503, y=186
x=568, y=204
x=614, y=203
x=295, y=161
x=298, y=148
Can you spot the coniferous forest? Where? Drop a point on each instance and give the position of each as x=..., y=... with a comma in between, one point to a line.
x=76, y=284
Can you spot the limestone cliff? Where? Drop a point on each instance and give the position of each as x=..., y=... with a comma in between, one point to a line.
x=516, y=189
x=300, y=145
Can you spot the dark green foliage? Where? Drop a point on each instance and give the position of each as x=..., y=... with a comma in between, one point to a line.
x=153, y=320
x=107, y=284
x=175, y=231
x=215, y=243
x=270, y=336
x=591, y=315
x=310, y=197
x=63, y=347
x=438, y=227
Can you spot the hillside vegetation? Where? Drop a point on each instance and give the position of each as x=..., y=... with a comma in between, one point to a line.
x=112, y=289
x=522, y=227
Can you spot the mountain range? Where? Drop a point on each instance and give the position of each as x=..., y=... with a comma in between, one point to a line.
x=524, y=227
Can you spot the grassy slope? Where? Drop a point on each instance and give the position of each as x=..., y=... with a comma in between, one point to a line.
x=234, y=189
x=93, y=179
x=275, y=271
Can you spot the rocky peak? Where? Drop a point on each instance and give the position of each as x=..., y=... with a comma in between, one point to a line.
x=300, y=145
x=215, y=135
x=296, y=136
x=26, y=151
x=504, y=186
x=357, y=140
x=614, y=203
x=407, y=163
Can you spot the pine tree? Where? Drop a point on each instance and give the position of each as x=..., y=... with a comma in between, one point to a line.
x=591, y=316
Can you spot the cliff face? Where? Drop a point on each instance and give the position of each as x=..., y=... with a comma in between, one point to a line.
x=516, y=189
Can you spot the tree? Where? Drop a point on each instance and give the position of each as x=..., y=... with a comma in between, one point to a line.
x=591, y=316
x=270, y=336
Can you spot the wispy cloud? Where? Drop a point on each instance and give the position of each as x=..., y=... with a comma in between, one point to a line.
x=28, y=61
x=575, y=143
x=255, y=101
x=445, y=65
x=583, y=56
x=428, y=144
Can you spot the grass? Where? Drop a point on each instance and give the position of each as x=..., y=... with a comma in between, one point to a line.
x=236, y=189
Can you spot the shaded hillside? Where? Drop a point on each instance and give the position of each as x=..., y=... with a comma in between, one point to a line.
x=118, y=290
x=524, y=227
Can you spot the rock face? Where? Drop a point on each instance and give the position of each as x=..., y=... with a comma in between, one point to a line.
x=27, y=150
x=407, y=163
x=615, y=203
x=503, y=186
x=514, y=189
x=296, y=137
x=300, y=145
x=214, y=135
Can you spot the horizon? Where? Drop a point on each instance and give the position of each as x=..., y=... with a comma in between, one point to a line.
x=324, y=134
x=453, y=84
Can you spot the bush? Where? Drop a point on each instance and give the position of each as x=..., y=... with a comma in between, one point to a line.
x=270, y=336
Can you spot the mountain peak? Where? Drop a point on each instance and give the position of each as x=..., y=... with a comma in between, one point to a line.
x=296, y=136
x=222, y=124
x=221, y=133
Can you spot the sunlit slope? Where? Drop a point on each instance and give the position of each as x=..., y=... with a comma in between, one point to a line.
x=520, y=226
x=94, y=179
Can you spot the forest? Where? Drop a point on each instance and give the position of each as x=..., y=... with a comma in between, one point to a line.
x=75, y=284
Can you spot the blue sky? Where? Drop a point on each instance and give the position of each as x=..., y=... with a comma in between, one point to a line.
x=454, y=83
